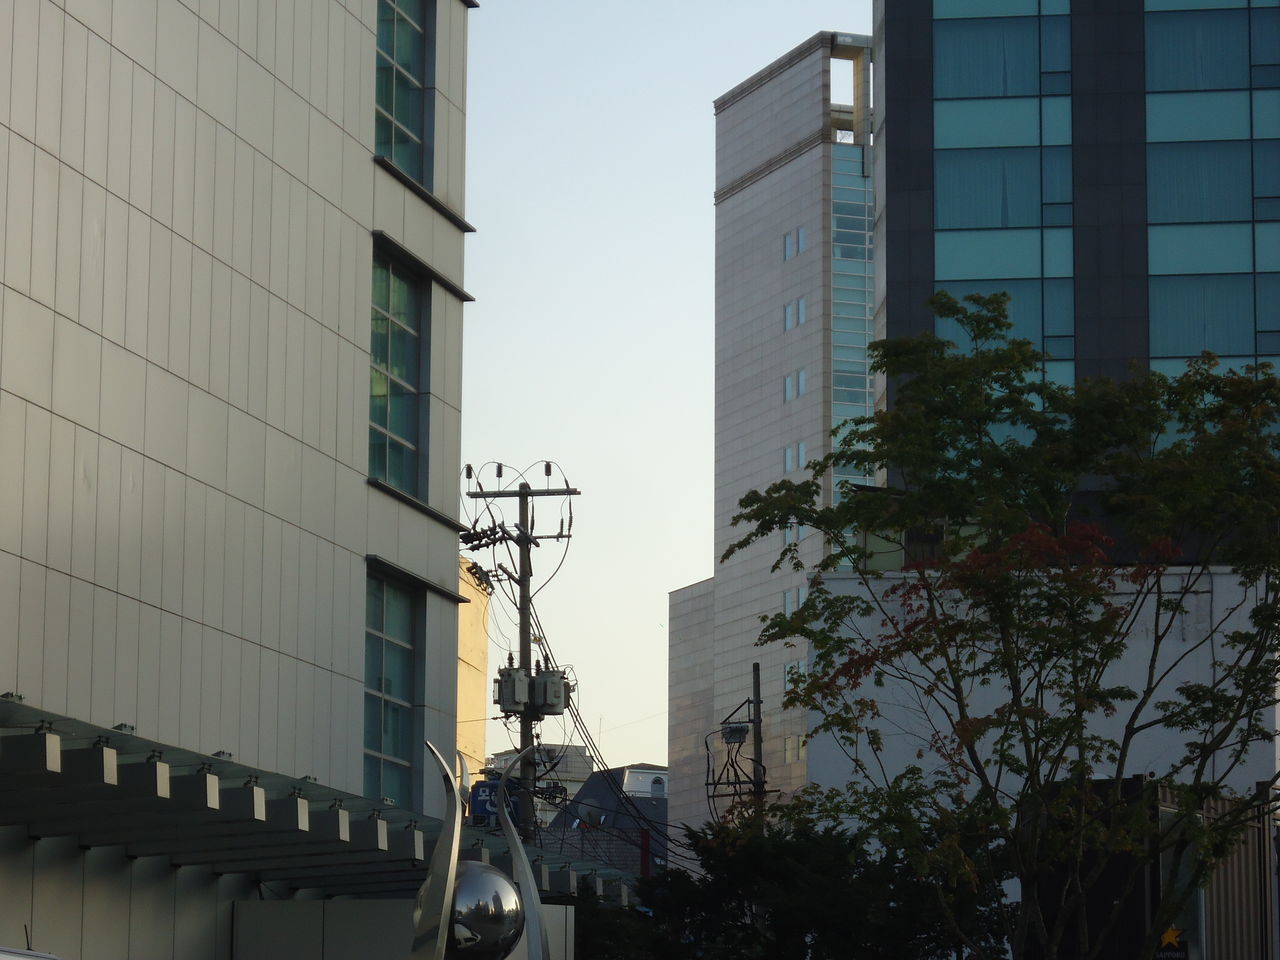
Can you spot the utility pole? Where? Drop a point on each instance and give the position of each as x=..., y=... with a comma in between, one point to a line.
x=531, y=711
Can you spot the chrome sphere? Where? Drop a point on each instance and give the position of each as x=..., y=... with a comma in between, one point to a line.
x=488, y=916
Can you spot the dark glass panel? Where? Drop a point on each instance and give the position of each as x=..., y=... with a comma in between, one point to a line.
x=408, y=105
x=397, y=676
x=1055, y=84
x=402, y=467
x=373, y=603
x=377, y=397
x=397, y=729
x=409, y=48
x=403, y=418
x=372, y=722
x=1060, y=348
x=1055, y=44
x=1266, y=168
x=1265, y=36
x=399, y=622
x=1057, y=214
x=386, y=26
x=377, y=454
x=987, y=188
x=379, y=345
x=1201, y=182
x=1059, y=307
x=372, y=777
x=373, y=662
x=1056, y=174
x=1198, y=50
x=986, y=58
x=1196, y=313
x=381, y=283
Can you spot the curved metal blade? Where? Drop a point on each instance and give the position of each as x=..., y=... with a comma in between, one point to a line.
x=535, y=932
x=432, y=912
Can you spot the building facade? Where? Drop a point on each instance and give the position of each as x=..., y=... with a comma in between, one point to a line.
x=794, y=287
x=1112, y=165
x=230, y=360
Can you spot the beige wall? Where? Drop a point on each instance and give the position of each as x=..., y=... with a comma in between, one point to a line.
x=474, y=689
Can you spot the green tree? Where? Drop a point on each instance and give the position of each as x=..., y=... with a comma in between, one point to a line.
x=773, y=886
x=1010, y=637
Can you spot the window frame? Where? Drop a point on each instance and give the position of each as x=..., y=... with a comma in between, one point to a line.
x=424, y=85
x=402, y=270
x=376, y=632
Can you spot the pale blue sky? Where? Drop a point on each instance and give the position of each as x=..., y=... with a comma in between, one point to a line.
x=590, y=173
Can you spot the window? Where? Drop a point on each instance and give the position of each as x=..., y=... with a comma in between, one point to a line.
x=1198, y=50
x=396, y=375
x=788, y=388
x=987, y=58
x=788, y=246
x=1198, y=182
x=800, y=311
x=800, y=383
x=404, y=115
x=788, y=460
x=657, y=787
x=1191, y=314
x=788, y=316
x=801, y=459
x=390, y=690
x=800, y=240
x=788, y=749
x=987, y=188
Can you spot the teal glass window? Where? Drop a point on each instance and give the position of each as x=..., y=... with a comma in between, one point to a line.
x=1264, y=36
x=1193, y=314
x=944, y=9
x=1013, y=122
x=1198, y=116
x=1055, y=120
x=1055, y=44
x=1266, y=114
x=1056, y=174
x=397, y=323
x=1266, y=245
x=1266, y=168
x=1199, y=182
x=1268, y=301
x=1198, y=50
x=390, y=685
x=1200, y=248
x=404, y=112
x=1059, y=308
x=987, y=188
x=986, y=58
x=1025, y=308
x=986, y=254
x=1059, y=253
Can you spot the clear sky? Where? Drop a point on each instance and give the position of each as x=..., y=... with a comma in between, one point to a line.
x=590, y=174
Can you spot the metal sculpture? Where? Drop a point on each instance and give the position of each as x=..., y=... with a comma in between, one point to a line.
x=471, y=910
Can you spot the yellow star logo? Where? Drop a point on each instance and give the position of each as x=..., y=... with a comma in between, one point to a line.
x=1170, y=937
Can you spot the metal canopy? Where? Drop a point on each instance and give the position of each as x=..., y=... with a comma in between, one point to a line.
x=63, y=777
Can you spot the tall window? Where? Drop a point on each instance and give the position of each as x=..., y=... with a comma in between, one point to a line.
x=395, y=375
x=389, y=691
x=405, y=47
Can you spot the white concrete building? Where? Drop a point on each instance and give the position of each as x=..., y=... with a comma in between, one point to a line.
x=231, y=257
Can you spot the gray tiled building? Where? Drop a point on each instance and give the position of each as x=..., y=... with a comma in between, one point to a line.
x=231, y=256
x=793, y=315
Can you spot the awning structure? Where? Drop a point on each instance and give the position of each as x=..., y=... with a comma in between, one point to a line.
x=63, y=777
